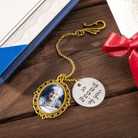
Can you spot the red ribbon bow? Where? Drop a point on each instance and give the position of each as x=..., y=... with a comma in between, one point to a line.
x=119, y=46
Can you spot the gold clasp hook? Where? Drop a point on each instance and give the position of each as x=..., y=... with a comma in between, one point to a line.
x=81, y=32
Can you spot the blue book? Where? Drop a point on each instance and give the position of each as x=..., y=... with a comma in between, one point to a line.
x=24, y=25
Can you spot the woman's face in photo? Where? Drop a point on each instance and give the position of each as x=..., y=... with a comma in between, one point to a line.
x=53, y=95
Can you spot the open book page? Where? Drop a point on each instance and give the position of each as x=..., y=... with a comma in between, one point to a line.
x=22, y=20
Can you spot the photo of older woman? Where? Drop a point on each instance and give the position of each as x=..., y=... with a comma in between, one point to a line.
x=51, y=98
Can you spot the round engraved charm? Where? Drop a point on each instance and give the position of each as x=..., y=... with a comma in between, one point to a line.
x=51, y=99
x=88, y=92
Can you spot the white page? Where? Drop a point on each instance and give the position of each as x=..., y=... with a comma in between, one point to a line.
x=30, y=23
x=125, y=13
x=13, y=13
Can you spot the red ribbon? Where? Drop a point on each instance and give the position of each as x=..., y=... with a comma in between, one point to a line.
x=119, y=46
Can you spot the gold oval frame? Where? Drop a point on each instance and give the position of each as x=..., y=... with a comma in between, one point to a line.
x=65, y=104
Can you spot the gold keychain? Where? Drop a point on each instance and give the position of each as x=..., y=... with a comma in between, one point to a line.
x=53, y=97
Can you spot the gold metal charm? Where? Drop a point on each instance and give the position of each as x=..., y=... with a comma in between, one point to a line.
x=52, y=98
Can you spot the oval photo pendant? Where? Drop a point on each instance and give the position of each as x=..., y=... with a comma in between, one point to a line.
x=88, y=92
x=51, y=99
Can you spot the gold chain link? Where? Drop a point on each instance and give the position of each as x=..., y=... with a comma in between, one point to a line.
x=78, y=33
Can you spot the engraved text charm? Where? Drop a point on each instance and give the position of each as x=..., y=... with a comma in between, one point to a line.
x=90, y=93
